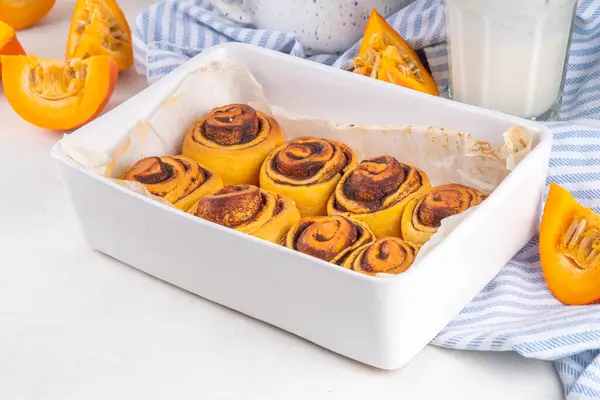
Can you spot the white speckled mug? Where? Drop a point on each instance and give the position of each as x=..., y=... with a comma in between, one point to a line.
x=321, y=26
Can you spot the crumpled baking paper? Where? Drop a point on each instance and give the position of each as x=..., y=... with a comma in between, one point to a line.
x=447, y=156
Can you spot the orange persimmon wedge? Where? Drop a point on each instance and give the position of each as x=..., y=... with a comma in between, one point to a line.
x=570, y=248
x=58, y=95
x=9, y=44
x=384, y=55
x=99, y=27
x=21, y=14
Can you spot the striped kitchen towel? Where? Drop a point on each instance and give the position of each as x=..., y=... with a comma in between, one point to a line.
x=515, y=312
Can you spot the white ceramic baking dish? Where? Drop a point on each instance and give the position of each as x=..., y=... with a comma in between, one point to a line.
x=383, y=322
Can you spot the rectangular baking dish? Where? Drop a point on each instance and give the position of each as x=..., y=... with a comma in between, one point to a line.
x=383, y=322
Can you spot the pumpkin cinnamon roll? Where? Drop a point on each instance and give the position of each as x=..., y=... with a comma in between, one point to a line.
x=177, y=179
x=376, y=192
x=233, y=141
x=251, y=210
x=307, y=169
x=390, y=255
x=330, y=238
x=423, y=215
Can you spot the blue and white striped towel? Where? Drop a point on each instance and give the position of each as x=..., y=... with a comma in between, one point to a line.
x=515, y=311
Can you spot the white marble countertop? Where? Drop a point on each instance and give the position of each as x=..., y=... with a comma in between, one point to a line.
x=75, y=324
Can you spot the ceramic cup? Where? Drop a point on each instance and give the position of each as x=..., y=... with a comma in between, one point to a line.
x=321, y=26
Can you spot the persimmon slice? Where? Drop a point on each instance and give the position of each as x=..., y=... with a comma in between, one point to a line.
x=21, y=14
x=9, y=44
x=99, y=27
x=384, y=55
x=58, y=95
x=570, y=248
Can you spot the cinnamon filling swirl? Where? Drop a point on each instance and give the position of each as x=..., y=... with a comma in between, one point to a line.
x=444, y=201
x=151, y=170
x=231, y=206
x=328, y=238
x=387, y=255
x=304, y=158
x=248, y=209
x=377, y=183
x=232, y=124
x=169, y=177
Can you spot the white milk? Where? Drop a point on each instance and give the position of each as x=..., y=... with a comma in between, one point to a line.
x=509, y=55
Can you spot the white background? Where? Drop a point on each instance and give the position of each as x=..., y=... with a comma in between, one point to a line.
x=75, y=324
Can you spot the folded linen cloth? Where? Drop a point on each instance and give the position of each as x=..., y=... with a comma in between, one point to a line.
x=515, y=312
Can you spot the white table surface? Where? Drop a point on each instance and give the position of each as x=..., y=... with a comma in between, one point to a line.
x=75, y=324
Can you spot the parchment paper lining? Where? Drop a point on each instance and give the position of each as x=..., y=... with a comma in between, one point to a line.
x=447, y=156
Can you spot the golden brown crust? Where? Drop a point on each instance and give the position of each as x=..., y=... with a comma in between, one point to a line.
x=232, y=206
x=444, y=201
x=375, y=184
x=307, y=161
x=231, y=125
x=423, y=216
x=248, y=209
x=330, y=238
x=177, y=179
x=233, y=140
x=390, y=255
x=376, y=191
x=307, y=169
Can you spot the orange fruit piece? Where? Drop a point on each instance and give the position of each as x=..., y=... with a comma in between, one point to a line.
x=58, y=95
x=9, y=44
x=385, y=55
x=99, y=27
x=21, y=14
x=570, y=248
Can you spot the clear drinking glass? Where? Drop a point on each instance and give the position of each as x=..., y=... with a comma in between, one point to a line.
x=510, y=55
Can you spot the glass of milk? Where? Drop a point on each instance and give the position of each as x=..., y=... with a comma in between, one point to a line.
x=509, y=55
